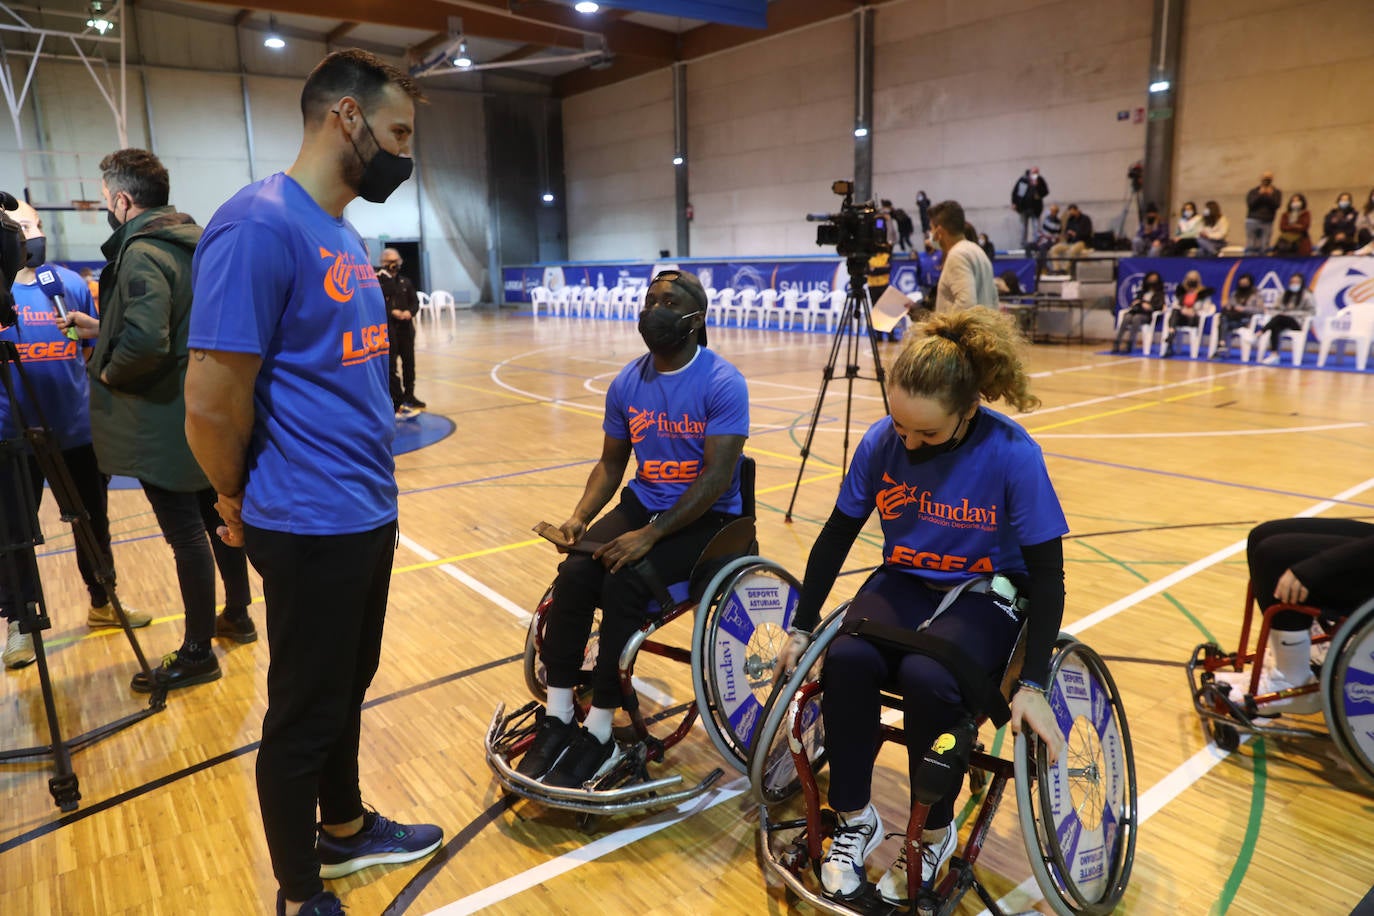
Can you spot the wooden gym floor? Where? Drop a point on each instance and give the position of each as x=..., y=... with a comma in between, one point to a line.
x=1162, y=468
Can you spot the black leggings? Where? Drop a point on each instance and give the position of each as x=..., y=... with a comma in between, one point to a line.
x=1275, y=328
x=583, y=585
x=1275, y=546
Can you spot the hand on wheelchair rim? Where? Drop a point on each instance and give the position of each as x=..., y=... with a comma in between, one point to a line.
x=797, y=644
x=1030, y=708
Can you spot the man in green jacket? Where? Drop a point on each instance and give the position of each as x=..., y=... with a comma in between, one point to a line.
x=138, y=413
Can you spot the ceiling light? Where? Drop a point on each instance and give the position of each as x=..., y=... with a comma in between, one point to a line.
x=98, y=20
x=861, y=131
x=586, y=6
x=462, y=61
x=1159, y=86
x=273, y=40
x=678, y=160
x=548, y=197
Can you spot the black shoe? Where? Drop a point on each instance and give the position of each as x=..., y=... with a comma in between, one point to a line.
x=415, y=403
x=585, y=759
x=240, y=629
x=551, y=738
x=322, y=904
x=178, y=671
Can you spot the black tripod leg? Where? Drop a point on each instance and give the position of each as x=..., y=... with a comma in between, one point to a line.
x=64, y=786
x=827, y=374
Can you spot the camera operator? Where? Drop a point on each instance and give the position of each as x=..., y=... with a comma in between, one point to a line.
x=55, y=367
x=966, y=278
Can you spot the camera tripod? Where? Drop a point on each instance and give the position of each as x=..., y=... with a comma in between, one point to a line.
x=855, y=320
x=20, y=585
x=1133, y=196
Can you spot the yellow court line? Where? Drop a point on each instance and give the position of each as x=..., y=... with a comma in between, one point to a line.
x=783, y=486
x=1121, y=410
x=521, y=398
x=472, y=555
x=797, y=458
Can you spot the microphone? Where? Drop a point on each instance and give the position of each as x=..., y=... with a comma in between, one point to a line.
x=52, y=288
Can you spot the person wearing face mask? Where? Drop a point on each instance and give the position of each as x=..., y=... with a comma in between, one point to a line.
x=1244, y=304
x=1149, y=301
x=1028, y=200
x=1211, y=237
x=1078, y=237
x=402, y=305
x=138, y=412
x=1294, y=225
x=55, y=365
x=1150, y=237
x=683, y=412
x=1189, y=297
x=288, y=412
x=1261, y=207
x=972, y=543
x=1364, y=223
x=966, y=275
x=1184, y=241
x=1296, y=304
x=1339, y=227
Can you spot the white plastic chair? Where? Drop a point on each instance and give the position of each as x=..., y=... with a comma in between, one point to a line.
x=1206, y=330
x=1155, y=329
x=426, y=306
x=768, y=306
x=442, y=301
x=578, y=302
x=814, y=298
x=749, y=305
x=791, y=309
x=540, y=296
x=712, y=305
x=602, y=309
x=1247, y=334
x=633, y=302
x=832, y=314
x=562, y=299
x=1296, y=340
x=1347, y=324
x=725, y=306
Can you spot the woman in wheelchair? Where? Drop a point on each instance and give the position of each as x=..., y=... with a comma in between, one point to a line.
x=972, y=534
x=1323, y=562
x=684, y=412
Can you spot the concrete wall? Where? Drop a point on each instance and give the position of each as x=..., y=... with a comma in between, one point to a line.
x=1275, y=84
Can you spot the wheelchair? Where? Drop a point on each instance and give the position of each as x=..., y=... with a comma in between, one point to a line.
x=741, y=605
x=1346, y=685
x=1078, y=813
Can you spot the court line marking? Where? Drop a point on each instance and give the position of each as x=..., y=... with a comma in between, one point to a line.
x=1209, y=433
x=495, y=375
x=1101, y=415
x=1135, y=392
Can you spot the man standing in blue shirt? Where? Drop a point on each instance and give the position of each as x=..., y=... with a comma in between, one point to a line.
x=289, y=414
x=684, y=413
x=56, y=368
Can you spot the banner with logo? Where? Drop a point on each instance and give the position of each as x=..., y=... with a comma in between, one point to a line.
x=1336, y=283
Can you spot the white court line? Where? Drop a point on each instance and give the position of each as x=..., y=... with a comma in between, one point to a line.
x=1200, y=435
x=1084, y=368
x=1039, y=412
x=495, y=376
x=591, y=852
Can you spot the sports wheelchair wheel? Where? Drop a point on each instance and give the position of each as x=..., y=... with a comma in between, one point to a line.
x=1347, y=689
x=1078, y=813
x=772, y=772
x=536, y=678
x=738, y=632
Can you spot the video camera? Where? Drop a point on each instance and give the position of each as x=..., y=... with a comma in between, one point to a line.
x=1136, y=175
x=856, y=231
x=11, y=257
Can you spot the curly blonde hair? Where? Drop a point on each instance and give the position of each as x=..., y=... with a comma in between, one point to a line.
x=958, y=356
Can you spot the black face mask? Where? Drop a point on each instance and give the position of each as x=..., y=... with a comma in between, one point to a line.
x=112, y=220
x=663, y=330
x=37, y=250
x=383, y=173
x=923, y=453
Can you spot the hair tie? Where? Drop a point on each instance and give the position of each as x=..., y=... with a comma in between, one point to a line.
x=953, y=337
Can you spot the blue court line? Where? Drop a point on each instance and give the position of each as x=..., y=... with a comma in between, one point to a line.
x=468, y=483
x=1209, y=480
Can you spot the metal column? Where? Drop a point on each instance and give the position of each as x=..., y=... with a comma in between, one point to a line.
x=1162, y=97
x=863, y=103
x=684, y=234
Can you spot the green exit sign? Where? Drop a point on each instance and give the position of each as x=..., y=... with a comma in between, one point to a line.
x=1161, y=114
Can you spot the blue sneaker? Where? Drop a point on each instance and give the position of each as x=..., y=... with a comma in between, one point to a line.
x=322, y=904
x=381, y=842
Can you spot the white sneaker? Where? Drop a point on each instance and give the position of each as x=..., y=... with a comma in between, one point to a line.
x=1272, y=681
x=18, y=647
x=1270, y=359
x=936, y=853
x=842, y=869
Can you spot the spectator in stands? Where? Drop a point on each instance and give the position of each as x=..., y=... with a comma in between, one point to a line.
x=966, y=278
x=1244, y=304
x=1150, y=237
x=1339, y=227
x=1078, y=238
x=1261, y=206
x=1185, y=236
x=985, y=243
x=1364, y=223
x=1293, y=238
x=1297, y=303
x=1189, y=298
x=1149, y=301
x=1028, y=200
x=1051, y=231
x=923, y=207
x=1211, y=238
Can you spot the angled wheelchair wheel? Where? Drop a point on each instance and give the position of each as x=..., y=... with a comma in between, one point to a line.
x=772, y=772
x=1078, y=813
x=740, y=629
x=536, y=678
x=1348, y=690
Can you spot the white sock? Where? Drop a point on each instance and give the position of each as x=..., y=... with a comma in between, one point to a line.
x=598, y=722
x=935, y=836
x=560, y=704
x=869, y=815
x=1292, y=654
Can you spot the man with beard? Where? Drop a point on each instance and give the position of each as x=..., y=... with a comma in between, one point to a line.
x=288, y=413
x=683, y=411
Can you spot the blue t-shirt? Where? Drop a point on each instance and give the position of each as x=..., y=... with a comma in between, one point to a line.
x=54, y=365
x=276, y=276
x=667, y=419
x=961, y=514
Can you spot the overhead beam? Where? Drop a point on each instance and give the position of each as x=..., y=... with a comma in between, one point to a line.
x=339, y=31
x=621, y=37
x=587, y=79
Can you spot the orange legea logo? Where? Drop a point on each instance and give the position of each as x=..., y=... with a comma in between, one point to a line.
x=343, y=278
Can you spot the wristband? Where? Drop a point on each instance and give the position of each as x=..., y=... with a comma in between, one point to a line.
x=1031, y=685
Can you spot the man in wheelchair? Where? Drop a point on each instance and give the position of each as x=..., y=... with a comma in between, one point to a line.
x=972, y=532
x=683, y=411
